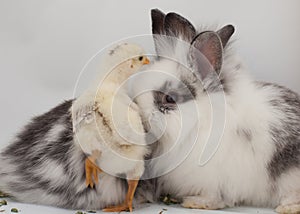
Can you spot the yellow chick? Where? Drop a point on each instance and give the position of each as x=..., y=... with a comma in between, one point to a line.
x=108, y=126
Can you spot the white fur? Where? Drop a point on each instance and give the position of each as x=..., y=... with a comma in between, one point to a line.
x=237, y=172
x=55, y=131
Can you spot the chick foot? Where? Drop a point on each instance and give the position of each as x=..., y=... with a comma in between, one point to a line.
x=91, y=172
x=127, y=204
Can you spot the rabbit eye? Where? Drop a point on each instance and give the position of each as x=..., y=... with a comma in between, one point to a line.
x=141, y=58
x=169, y=99
x=166, y=102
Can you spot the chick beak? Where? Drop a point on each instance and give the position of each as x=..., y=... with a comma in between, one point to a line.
x=146, y=61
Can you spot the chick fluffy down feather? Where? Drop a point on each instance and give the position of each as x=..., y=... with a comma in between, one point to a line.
x=107, y=120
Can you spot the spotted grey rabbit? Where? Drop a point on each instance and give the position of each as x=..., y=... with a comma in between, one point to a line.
x=44, y=166
x=224, y=139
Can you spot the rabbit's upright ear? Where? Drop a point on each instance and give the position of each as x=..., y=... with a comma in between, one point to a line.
x=172, y=25
x=179, y=27
x=157, y=18
x=225, y=33
x=207, y=44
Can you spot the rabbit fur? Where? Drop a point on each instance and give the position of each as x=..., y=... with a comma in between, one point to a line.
x=257, y=124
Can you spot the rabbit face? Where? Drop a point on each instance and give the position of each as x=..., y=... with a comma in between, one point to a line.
x=187, y=67
x=166, y=92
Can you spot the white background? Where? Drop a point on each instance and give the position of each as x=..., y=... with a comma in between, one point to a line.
x=45, y=44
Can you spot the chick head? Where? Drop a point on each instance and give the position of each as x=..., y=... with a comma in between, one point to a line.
x=126, y=59
x=139, y=61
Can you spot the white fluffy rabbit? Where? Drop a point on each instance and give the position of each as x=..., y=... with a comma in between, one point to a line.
x=224, y=139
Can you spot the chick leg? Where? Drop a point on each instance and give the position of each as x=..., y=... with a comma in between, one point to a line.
x=127, y=204
x=91, y=170
x=132, y=184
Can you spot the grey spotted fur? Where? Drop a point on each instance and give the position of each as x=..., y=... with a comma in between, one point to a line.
x=44, y=166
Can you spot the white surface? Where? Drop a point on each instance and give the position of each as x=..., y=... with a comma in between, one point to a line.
x=45, y=44
x=146, y=209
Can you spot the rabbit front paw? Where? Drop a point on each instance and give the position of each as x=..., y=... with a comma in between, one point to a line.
x=201, y=202
x=288, y=209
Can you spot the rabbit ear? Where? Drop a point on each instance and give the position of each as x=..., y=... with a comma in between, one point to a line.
x=225, y=33
x=178, y=26
x=210, y=45
x=157, y=18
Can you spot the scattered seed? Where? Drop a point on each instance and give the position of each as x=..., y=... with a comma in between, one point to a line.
x=163, y=210
x=3, y=195
x=168, y=200
x=14, y=210
x=3, y=202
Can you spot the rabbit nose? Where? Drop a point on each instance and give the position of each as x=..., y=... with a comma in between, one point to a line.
x=163, y=109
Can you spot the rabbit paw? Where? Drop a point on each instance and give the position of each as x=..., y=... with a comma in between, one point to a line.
x=288, y=209
x=200, y=202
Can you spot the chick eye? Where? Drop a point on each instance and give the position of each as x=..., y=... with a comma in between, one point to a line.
x=169, y=99
x=141, y=58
